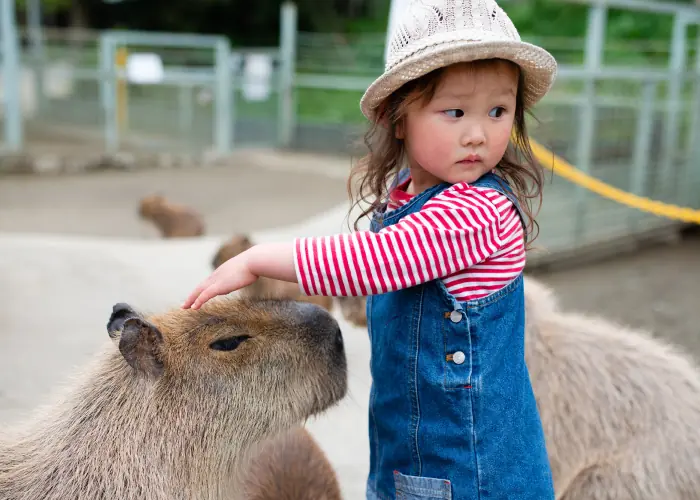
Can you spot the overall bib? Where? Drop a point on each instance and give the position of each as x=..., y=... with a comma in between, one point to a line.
x=452, y=414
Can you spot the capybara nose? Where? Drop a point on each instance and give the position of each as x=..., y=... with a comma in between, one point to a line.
x=321, y=324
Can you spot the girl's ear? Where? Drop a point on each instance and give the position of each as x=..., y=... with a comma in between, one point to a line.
x=399, y=132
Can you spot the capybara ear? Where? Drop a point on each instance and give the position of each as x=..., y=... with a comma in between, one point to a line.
x=140, y=344
x=218, y=258
x=120, y=313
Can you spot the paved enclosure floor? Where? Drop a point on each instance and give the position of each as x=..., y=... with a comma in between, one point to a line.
x=254, y=191
x=657, y=288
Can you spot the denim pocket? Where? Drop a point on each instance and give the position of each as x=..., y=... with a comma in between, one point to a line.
x=421, y=488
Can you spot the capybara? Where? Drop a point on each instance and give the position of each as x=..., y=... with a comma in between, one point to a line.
x=171, y=407
x=171, y=219
x=620, y=409
x=290, y=466
x=354, y=310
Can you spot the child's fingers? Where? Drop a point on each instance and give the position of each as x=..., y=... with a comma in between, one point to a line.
x=195, y=293
x=207, y=293
x=189, y=301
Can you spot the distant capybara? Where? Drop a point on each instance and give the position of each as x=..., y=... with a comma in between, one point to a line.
x=171, y=219
x=290, y=466
x=171, y=408
x=266, y=287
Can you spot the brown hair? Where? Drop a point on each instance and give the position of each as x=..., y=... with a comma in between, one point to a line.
x=386, y=153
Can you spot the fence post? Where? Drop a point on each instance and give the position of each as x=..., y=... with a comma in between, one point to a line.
x=288, y=43
x=11, y=76
x=108, y=92
x=595, y=40
x=121, y=58
x=691, y=171
x=642, y=148
x=223, y=112
x=36, y=39
x=666, y=174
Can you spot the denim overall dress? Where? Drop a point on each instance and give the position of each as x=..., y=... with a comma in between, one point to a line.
x=452, y=414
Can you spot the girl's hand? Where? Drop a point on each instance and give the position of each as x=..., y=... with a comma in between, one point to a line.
x=228, y=277
x=272, y=260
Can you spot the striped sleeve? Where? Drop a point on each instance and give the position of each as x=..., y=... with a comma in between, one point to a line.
x=452, y=232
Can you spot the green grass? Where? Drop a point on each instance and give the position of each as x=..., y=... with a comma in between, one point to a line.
x=330, y=106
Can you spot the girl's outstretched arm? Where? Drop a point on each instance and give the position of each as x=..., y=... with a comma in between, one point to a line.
x=271, y=260
x=455, y=230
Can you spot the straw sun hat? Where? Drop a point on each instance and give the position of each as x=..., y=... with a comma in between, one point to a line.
x=431, y=34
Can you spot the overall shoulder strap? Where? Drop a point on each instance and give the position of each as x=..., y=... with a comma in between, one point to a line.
x=498, y=183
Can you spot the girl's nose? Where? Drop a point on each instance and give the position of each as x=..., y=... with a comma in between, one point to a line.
x=473, y=135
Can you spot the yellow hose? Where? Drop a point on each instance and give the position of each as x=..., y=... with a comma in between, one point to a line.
x=566, y=170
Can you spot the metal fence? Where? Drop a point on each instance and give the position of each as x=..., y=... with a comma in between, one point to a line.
x=79, y=83
x=10, y=84
x=626, y=112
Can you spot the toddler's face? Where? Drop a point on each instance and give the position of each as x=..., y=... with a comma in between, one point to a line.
x=463, y=132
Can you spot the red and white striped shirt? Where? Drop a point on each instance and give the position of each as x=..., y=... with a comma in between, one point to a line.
x=470, y=237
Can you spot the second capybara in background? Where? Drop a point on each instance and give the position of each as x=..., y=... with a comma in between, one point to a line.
x=290, y=466
x=172, y=220
x=265, y=287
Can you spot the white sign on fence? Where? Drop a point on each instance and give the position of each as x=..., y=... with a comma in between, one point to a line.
x=257, y=73
x=144, y=68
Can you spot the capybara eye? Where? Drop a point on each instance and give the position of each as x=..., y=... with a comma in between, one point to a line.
x=228, y=344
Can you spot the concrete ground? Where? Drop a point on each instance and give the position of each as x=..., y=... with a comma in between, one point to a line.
x=255, y=190
x=71, y=247
x=655, y=289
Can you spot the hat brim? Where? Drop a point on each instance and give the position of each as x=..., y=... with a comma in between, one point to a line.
x=537, y=65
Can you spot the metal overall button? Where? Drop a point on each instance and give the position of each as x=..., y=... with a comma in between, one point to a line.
x=457, y=343
x=457, y=357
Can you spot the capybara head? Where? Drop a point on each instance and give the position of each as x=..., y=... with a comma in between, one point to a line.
x=276, y=361
x=237, y=244
x=150, y=204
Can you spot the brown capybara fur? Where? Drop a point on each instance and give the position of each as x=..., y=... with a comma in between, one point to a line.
x=620, y=409
x=290, y=466
x=172, y=406
x=171, y=219
x=353, y=310
x=266, y=287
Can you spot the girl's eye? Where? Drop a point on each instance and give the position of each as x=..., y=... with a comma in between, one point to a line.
x=497, y=112
x=454, y=113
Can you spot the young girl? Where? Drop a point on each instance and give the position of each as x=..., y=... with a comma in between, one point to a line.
x=452, y=413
